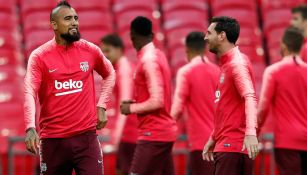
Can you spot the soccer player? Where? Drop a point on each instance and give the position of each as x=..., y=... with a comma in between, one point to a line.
x=126, y=127
x=195, y=87
x=152, y=103
x=284, y=93
x=60, y=76
x=235, y=119
x=299, y=20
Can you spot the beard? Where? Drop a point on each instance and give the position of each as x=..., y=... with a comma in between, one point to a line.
x=213, y=50
x=70, y=38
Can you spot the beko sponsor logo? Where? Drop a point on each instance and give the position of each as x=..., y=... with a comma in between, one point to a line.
x=70, y=85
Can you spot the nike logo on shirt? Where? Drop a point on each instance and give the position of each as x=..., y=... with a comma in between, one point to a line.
x=52, y=70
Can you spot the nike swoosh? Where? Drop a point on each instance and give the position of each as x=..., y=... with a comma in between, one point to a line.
x=99, y=161
x=52, y=70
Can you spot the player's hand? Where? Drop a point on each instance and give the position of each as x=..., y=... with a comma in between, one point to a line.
x=208, y=150
x=102, y=118
x=251, y=144
x=125, y=107
x=32, y=141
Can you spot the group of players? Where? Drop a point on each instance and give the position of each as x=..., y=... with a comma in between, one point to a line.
x=223, y=117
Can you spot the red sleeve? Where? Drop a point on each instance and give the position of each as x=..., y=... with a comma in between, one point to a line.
x=244, y=84
x=266, y=96
x=105, y=69
x=125, y=79
x=155, y=86
x=32, y=83
x=181, y=93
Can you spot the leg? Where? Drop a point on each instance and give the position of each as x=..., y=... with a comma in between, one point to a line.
x=168, y=163
x=198, y=165
x=232, y=164
x=288, y=161
x=55, y=157
x=87, y=154
x=304, y=162
x=124, y=157
x=248, y=165
x=150, y=158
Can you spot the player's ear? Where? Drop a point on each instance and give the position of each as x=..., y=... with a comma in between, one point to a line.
x=54, y=25
x=283, y=49
x=222, y=36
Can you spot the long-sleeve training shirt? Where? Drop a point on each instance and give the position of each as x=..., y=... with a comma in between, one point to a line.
x=236, y=110
x=152, y=82
x=126, y=126
x=61, y=78
x=196, y=83
x=284, y=91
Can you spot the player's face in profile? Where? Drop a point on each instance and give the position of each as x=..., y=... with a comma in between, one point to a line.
x=297, y=20
x=212, y=38
x=111, y=52
x=68, y=25
x=135, y=40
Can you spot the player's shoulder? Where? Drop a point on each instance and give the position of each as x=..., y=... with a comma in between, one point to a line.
x=241, y=59
x=185, y=69
x=87, y=45
x=44, y=49
x=277, y=67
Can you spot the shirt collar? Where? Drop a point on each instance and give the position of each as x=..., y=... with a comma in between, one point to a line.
x=61, y=47
x=145, y=48
x=229, y=55
x=289, y=58
x=198, y=58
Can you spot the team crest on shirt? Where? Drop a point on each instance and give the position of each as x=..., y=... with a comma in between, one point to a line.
x=222, y=78
x=84, y=66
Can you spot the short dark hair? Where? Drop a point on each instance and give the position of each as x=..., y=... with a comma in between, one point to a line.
x=59, y=4
x=293, y=38
x=142, y=26
x=302, y=9
x=229, y=25
x=113, y=40
x=195, y=41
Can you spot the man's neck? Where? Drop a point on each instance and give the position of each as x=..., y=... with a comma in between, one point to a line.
x=60, y=41
x=193, y=56
x=144, y=44
x=223, y=50
x=290, y=54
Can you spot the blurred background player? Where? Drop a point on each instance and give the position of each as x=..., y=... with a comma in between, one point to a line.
x=126, y=127
x=299, y=20
x=284, y=92
x=157, y=130
x=60, y=76
x=235, y=119
x=195, y=87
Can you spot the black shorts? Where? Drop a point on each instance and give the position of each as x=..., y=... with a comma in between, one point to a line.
x=153, y=158
x=198, y=165
x=232, y=164
x=291, y=162
x=59, y=156
x=124, y=156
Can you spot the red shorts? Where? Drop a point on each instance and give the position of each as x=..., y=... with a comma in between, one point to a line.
x=124, y=157
x=232, y=164
x=153, y=158
x=59, y=156
x=200, y=166
x=291, y=162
